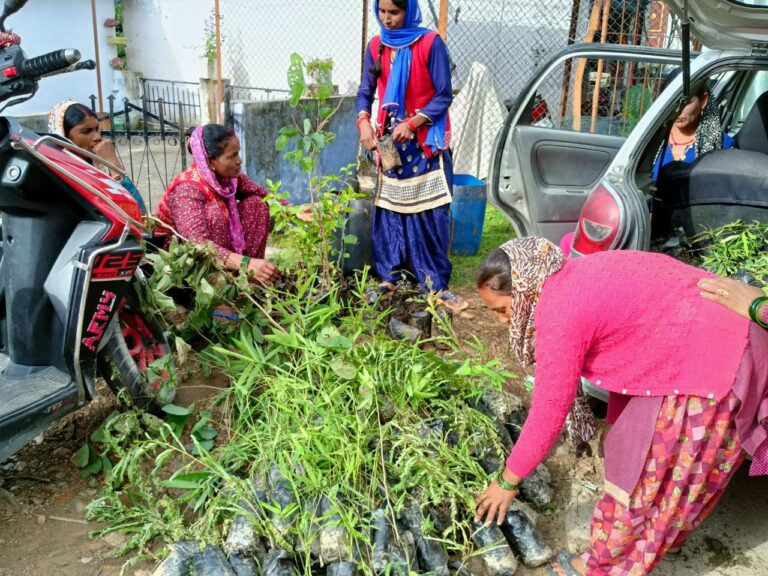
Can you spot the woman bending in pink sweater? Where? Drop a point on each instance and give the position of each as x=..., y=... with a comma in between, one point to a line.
x=687, y=380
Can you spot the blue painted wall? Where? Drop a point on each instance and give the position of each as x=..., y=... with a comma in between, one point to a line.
x=258, y=124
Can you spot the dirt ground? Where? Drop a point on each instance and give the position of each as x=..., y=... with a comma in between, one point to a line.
x=43, y=499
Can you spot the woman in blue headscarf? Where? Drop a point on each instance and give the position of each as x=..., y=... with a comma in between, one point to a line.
x=408, y=67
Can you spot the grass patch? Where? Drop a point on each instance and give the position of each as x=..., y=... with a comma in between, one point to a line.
x=496, y=230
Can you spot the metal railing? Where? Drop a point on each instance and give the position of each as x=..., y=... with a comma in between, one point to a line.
x=169, y=98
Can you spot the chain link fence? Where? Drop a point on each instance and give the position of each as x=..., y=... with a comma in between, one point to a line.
x=258, y=39
x=513, y=39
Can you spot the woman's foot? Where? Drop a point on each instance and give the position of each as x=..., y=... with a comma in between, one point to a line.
x=566, y=564
x=452, y=301
x=372, y=295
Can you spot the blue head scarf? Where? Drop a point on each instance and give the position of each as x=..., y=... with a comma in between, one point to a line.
x=402, y=39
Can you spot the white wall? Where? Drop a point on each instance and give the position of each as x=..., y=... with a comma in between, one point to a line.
x=165, y=37
x=46, y=25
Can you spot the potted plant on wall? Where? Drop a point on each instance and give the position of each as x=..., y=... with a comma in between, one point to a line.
x=210, y=47
x=320, y=72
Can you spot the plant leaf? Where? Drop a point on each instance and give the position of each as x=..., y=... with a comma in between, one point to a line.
x=175, y=410
x=188, y=481
x=343, y=370
x=83, y=455
x=296, y=82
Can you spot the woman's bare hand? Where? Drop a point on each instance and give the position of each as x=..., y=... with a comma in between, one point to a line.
x=733, y=294
x=367, y=136
x=263, y=271
x=304, y=213
x=402, y=133
x=494, y=502
x=106, y=150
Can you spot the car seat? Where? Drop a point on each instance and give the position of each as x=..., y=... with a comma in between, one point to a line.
x=721, y=186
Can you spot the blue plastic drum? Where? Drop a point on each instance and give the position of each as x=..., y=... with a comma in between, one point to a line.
x=468, y=209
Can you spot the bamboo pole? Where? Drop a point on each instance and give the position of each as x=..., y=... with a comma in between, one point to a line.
x=578, y=77
x=442, y=27
x=575, y=9
x=600, y=64
x=219, y=82
x=96, y=55
x=364, y=34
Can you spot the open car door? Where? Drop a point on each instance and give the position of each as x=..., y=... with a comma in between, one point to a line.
x=565, y=129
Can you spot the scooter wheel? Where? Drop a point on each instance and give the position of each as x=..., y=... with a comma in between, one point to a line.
x=132, y=342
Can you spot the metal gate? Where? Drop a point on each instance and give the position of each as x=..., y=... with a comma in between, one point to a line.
x=150, y=139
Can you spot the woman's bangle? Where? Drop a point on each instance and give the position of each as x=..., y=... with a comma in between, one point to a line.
x=244, y=263
x=503, y=484
x=754, y=310
x=409, y=123
x=362, y=117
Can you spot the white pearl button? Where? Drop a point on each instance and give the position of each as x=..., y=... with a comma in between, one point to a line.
x=710, y=396
x=599, y=382
x=647, y=392
x=624, y=391
x=677, y=392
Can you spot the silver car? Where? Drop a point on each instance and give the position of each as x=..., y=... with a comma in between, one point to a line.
x=588, y=167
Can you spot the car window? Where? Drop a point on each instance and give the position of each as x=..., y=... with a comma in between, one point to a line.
x=598, y=96
x=762, y=3
x=758, y=85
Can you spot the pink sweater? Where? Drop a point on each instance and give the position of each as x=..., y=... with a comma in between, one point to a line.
x=633, y=323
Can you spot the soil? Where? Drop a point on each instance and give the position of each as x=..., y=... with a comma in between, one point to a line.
x=43, y=497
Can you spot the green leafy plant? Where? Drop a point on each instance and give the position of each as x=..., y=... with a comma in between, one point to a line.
x=320, y=72
x=302, y=143
x=332, y=408
x=210, y=46
x=738, y=249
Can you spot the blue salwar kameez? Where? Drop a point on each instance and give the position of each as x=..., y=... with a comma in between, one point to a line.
x=412, y=218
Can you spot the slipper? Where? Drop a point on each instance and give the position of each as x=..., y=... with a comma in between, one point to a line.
x=452, y=301
x=224, y=315
x=563, y=559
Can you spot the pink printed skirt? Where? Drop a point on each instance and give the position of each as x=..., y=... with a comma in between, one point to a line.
x=694, y=453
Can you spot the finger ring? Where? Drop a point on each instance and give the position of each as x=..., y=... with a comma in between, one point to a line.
x=722, y=292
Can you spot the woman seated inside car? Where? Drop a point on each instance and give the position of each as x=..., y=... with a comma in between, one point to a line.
x=695, y=131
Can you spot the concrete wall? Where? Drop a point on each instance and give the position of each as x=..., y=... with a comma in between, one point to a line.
x=166, y=37
x=258, y=124
x=46, y=25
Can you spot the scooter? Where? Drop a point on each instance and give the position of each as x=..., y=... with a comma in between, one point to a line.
x=72, y=242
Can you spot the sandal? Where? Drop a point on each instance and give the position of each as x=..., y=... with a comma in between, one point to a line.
x=225, y=313
x=563, y=559
x=452, y=301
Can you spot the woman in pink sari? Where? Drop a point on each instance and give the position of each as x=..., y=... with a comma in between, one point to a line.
x=213, y=201
x=687, y=378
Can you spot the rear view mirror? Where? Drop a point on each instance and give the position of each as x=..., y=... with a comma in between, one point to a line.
x=10, y=7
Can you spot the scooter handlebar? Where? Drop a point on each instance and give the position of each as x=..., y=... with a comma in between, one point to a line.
x=49, y=63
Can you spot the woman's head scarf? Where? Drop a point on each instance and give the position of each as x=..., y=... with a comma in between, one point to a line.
x=709, y=134
x=394, y=95
x=226, y=188
x=56, y=117
x=532, y=260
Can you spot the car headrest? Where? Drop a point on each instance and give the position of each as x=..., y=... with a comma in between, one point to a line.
x=753, y=134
